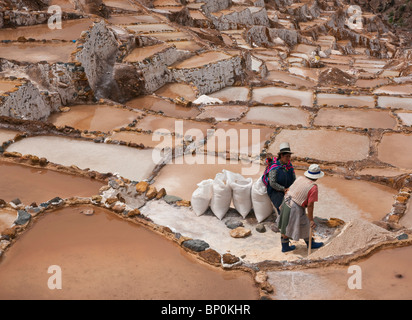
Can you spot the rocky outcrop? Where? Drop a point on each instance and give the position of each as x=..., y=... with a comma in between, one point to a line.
x=97, y=53
x=27, y=102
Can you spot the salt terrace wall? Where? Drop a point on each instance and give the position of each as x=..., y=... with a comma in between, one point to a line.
x=68, y=80
x=213, y=76
x=154, y=69
x=27, y=102
x=238, y=18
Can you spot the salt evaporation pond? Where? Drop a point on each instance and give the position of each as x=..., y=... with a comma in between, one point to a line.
x=167, y=107
x=70, y=30
x=181, y=177
x=175, y=90
x=395, y=89
x=141, y=53
x=279, y=116
x=131, y=263
x=278, y=95
x=34, y=52
x=325, y=145
x=384, y=276
x=232, y=94
x=337, y=100
x=130, y=163
x=222, y=112
x=396, y=149
x=353, y=199
x=6, y=135
x=40, y=185
x=355, y=118
x=238, y=138
x=406, y=118
x=94, y=117
x=395, y=102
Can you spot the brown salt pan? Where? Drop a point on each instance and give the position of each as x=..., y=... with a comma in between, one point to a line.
x=103, y=257
x=167, y=107
x=175, y=90
x=181, y=179
x=35, y=52
x=326, y=145
x=396, y=149
x=355, y=118
x=385, y=275
x=39, y=185
x=139, y=54
x=94, y=117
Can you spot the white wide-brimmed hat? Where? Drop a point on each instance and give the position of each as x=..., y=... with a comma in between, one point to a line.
x=314, y=172
x=284, y=148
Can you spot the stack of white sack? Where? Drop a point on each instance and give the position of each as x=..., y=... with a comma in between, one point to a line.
x=219, y=192
x=262, y=205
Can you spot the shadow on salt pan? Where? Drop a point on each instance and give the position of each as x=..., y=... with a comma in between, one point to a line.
x=130, y=163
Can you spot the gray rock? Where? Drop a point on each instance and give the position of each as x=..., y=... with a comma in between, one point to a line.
x=233, y=224
x=260, y=228
x=22, y=217
x=403, y=236
x=196, y=245
x=171, y=199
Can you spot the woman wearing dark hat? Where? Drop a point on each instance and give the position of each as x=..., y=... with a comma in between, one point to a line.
x=293, y=222
x=279, y=175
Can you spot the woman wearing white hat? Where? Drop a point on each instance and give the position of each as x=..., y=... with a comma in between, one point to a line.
x=293, y=222
x=279, y=175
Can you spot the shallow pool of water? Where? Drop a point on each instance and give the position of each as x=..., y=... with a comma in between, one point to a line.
x=277, y=95
x=385, y=275
x=395, y=102
x=325, y=145
x=181, y=177
x=40, y=185
x=167, y=107
x=131, y=263
x=94, y=117
x=355, y=118
x=34, y=52
x=6, y=135
x=396, y=149
x=70, y=30
x=141, y=53
x=336, y=100
x=223, y=113
x=175, y=90
x=130, y=163
x=232, y=94
x=279, y=116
